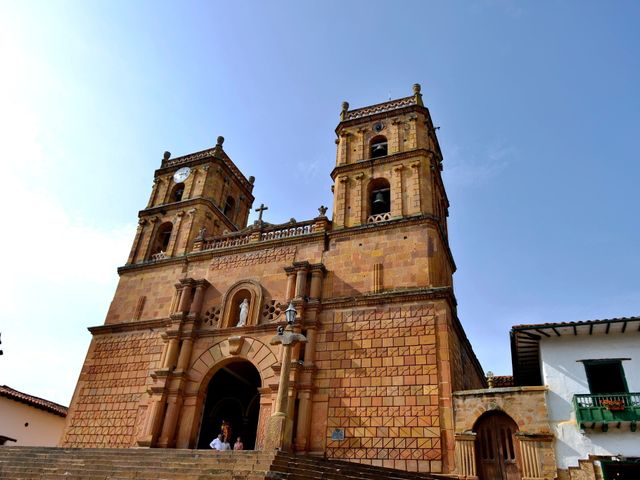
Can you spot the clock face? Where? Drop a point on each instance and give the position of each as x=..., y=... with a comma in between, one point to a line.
x=181, y=175
x=378, y=126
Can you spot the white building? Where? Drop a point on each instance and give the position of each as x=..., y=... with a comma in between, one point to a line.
x=26, y=420
x=592, y=373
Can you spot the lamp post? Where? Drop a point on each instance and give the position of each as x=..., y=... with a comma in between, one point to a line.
x=278, y=435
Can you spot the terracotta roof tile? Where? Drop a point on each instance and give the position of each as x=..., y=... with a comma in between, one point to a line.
x=36, y=402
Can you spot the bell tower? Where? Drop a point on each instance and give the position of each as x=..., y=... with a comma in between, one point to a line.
x=388, y=164
x=200, y=194
x=388, y=171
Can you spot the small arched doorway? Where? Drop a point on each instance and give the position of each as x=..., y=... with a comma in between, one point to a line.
x=496, y=447
x=232, y=396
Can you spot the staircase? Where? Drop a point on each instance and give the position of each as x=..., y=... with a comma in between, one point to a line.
x=27, y=463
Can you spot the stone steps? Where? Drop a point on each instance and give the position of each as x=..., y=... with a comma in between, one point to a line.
x=27, y=463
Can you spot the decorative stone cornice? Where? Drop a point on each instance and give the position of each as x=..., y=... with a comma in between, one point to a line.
x=391, y=296
x=130, y=326
x=371, y=162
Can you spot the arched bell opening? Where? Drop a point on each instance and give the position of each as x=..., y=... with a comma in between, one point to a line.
x=232, y=397
x=177, y=192
x=161, y=239
x=229, y=207
x=496, y=446
x=378, y=146
x=379, y=197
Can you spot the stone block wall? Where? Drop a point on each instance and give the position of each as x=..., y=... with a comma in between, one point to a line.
x=377, y=371
x=112, y=382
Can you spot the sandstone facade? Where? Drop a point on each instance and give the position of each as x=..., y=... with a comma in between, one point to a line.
x=372, y=288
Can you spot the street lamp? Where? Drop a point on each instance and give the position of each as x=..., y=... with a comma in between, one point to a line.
x=279, y=427
x=290, y=314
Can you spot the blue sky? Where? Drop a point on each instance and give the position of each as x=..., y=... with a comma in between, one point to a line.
x=537, y=105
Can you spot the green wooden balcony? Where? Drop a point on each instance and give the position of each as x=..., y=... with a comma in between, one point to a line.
x=602, y=409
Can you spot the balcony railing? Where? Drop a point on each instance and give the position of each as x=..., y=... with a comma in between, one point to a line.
x=262, y=233
x=602, y=409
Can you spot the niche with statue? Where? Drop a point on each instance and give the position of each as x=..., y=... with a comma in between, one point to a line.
x=241, y=305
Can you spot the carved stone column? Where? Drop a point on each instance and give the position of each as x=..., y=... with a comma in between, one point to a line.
x=154, y=192
x=301, y=279
x=415, y=191
x=136, y=241
x=356, y=208
x=174, y=402
x=397, y=131
x=304, y=420
x=192, y=184
x=175, y=234
x=396, y=192
x=342, y=198
x=291, y=284
x=198, y=298
x=317, y=273
x=147, y=237
x=343, y=152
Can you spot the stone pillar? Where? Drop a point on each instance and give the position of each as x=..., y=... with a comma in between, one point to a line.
x=341, y=203
x=198, y=298
x=398, y=127
x=185, y=354
x=291, y=285
x=154, y=192
x=304, y=420
x=396, y=192
x=174, y=401
x=301, y=282
x=315, y=291
x=185, y=299
x=155, y=411
x=365, y=154
x=136, y=241
x=356, y=208
x=192, y=184
x=188, y=229
x=466, y=455
x=172, y=354
x=143, y=253
x=175, y=234
x=343, y=149
x=415, y=193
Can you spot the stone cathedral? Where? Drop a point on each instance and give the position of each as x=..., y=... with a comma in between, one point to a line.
x=187, y=343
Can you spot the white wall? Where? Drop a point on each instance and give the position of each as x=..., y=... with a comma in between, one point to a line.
x=44, y=430
x=565, y=376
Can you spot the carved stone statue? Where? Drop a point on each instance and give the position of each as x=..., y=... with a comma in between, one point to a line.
x=202, y=233
x=244, y=312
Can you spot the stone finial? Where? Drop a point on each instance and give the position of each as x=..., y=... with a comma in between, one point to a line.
x=490, y=376
x=166, y=155
x=345, y=109
x=252, y=179
x=219, y=141
x=322, y=210
x=416, y=93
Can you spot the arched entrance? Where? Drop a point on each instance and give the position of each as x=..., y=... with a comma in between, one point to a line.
x=496, y=447
x=232, y=396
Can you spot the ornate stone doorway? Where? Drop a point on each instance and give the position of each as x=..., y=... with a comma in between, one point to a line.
x=496, y=447
x=232, y=396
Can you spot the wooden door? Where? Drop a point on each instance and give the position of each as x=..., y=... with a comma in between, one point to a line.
x=496, y=449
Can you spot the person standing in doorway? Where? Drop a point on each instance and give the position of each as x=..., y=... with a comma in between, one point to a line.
x=238, y=445
x=217, y=443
